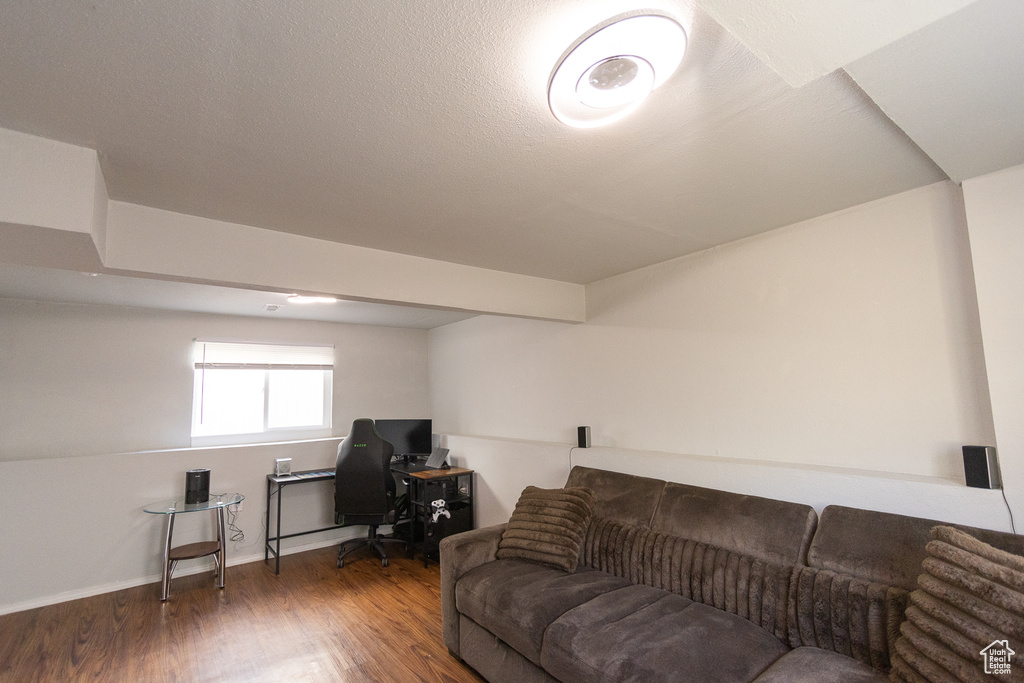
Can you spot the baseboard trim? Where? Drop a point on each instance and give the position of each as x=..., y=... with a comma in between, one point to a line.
x=156, y=578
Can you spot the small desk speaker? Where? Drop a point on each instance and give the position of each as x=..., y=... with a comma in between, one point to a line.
x=981, y=469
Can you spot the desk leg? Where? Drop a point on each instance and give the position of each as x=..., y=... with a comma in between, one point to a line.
x=221, y=540
x=277, y=556
x=426, y=520
x=266, y=541
x=165, y=582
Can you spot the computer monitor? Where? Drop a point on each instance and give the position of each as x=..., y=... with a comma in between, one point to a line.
x=409, y=437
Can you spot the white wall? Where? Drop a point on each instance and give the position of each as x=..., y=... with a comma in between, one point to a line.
x=848, y=341
x=838, y=360
x=505, y=466
x=73, y=527
x=995, y=209
x=95, y=418
x=88, y=380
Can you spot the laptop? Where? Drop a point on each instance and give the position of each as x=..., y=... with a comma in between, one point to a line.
x=434, y=462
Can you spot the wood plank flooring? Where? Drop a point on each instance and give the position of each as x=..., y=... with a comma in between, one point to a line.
x=313, y=622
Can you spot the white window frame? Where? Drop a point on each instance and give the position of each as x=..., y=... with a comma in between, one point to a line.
x=223, y=355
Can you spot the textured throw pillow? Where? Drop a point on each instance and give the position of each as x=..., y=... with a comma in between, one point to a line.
x=970, y=599
x=548, y=526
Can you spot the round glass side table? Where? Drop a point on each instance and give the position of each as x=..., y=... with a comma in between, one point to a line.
x=215, y=504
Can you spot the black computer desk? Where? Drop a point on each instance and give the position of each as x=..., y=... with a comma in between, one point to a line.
x=276, y=485
x=281, y=481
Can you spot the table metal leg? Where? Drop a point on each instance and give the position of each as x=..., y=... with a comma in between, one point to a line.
x=165, y=583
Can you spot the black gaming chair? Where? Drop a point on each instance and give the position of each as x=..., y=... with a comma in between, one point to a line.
x=364, y=488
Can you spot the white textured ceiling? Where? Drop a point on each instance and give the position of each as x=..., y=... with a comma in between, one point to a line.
x=422, y=127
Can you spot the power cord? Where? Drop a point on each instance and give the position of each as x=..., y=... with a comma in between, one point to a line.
x=1007, y=503
x=236, y=536
x=570, y=456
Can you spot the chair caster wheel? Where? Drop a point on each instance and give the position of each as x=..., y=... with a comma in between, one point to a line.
x=341, y=563
x=384, y=562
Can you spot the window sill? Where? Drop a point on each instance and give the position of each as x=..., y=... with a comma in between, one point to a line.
x=283, y=436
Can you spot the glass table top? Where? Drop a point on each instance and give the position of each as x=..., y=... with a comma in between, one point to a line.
x=217, y=500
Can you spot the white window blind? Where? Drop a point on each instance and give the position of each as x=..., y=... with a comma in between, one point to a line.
x=214, y=354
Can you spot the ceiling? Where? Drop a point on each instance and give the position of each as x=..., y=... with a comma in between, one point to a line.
x=422, y=127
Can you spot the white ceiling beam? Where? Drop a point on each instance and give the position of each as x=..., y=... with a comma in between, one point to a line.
x=956, y=88
x=145, y=239
x=53, y=201
x=50, y=184
x=802, y=40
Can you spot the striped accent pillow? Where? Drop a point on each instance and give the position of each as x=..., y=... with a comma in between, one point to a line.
x=970, y=600
x=548, y=526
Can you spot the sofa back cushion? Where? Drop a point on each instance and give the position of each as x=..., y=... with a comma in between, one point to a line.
x=801, y=606
x=621, y=497
x=767, y=529
x=884, y=547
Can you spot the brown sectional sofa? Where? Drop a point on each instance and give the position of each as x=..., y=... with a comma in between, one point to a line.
x=682, y=583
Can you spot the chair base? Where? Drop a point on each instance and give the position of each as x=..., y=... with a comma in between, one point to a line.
x=376, y=541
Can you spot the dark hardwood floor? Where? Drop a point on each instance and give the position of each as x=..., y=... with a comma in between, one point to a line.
x=314, y=622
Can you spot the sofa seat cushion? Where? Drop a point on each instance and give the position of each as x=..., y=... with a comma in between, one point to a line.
x=494, y=659
x=814, y=665
x=516, y=600
x=641, y=633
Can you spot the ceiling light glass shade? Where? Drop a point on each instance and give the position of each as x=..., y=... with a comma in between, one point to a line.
x=616, y=82
x=612, y=69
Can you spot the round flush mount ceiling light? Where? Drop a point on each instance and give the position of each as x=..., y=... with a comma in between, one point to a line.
x=303, y=299
x=612, y=68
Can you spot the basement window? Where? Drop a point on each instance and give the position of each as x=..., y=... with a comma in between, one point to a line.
x=247, y=393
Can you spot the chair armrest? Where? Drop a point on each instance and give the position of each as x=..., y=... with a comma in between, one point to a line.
x=459, y=554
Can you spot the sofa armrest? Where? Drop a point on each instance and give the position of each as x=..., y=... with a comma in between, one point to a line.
x=459, y=554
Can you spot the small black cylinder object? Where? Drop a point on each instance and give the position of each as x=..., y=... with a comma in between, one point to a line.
x=197, y=486
x=981, y=469
x=583, y=437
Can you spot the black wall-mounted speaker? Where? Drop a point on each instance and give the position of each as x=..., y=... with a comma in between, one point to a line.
x=197, y=486
x=981, y=470
x=583, y=437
